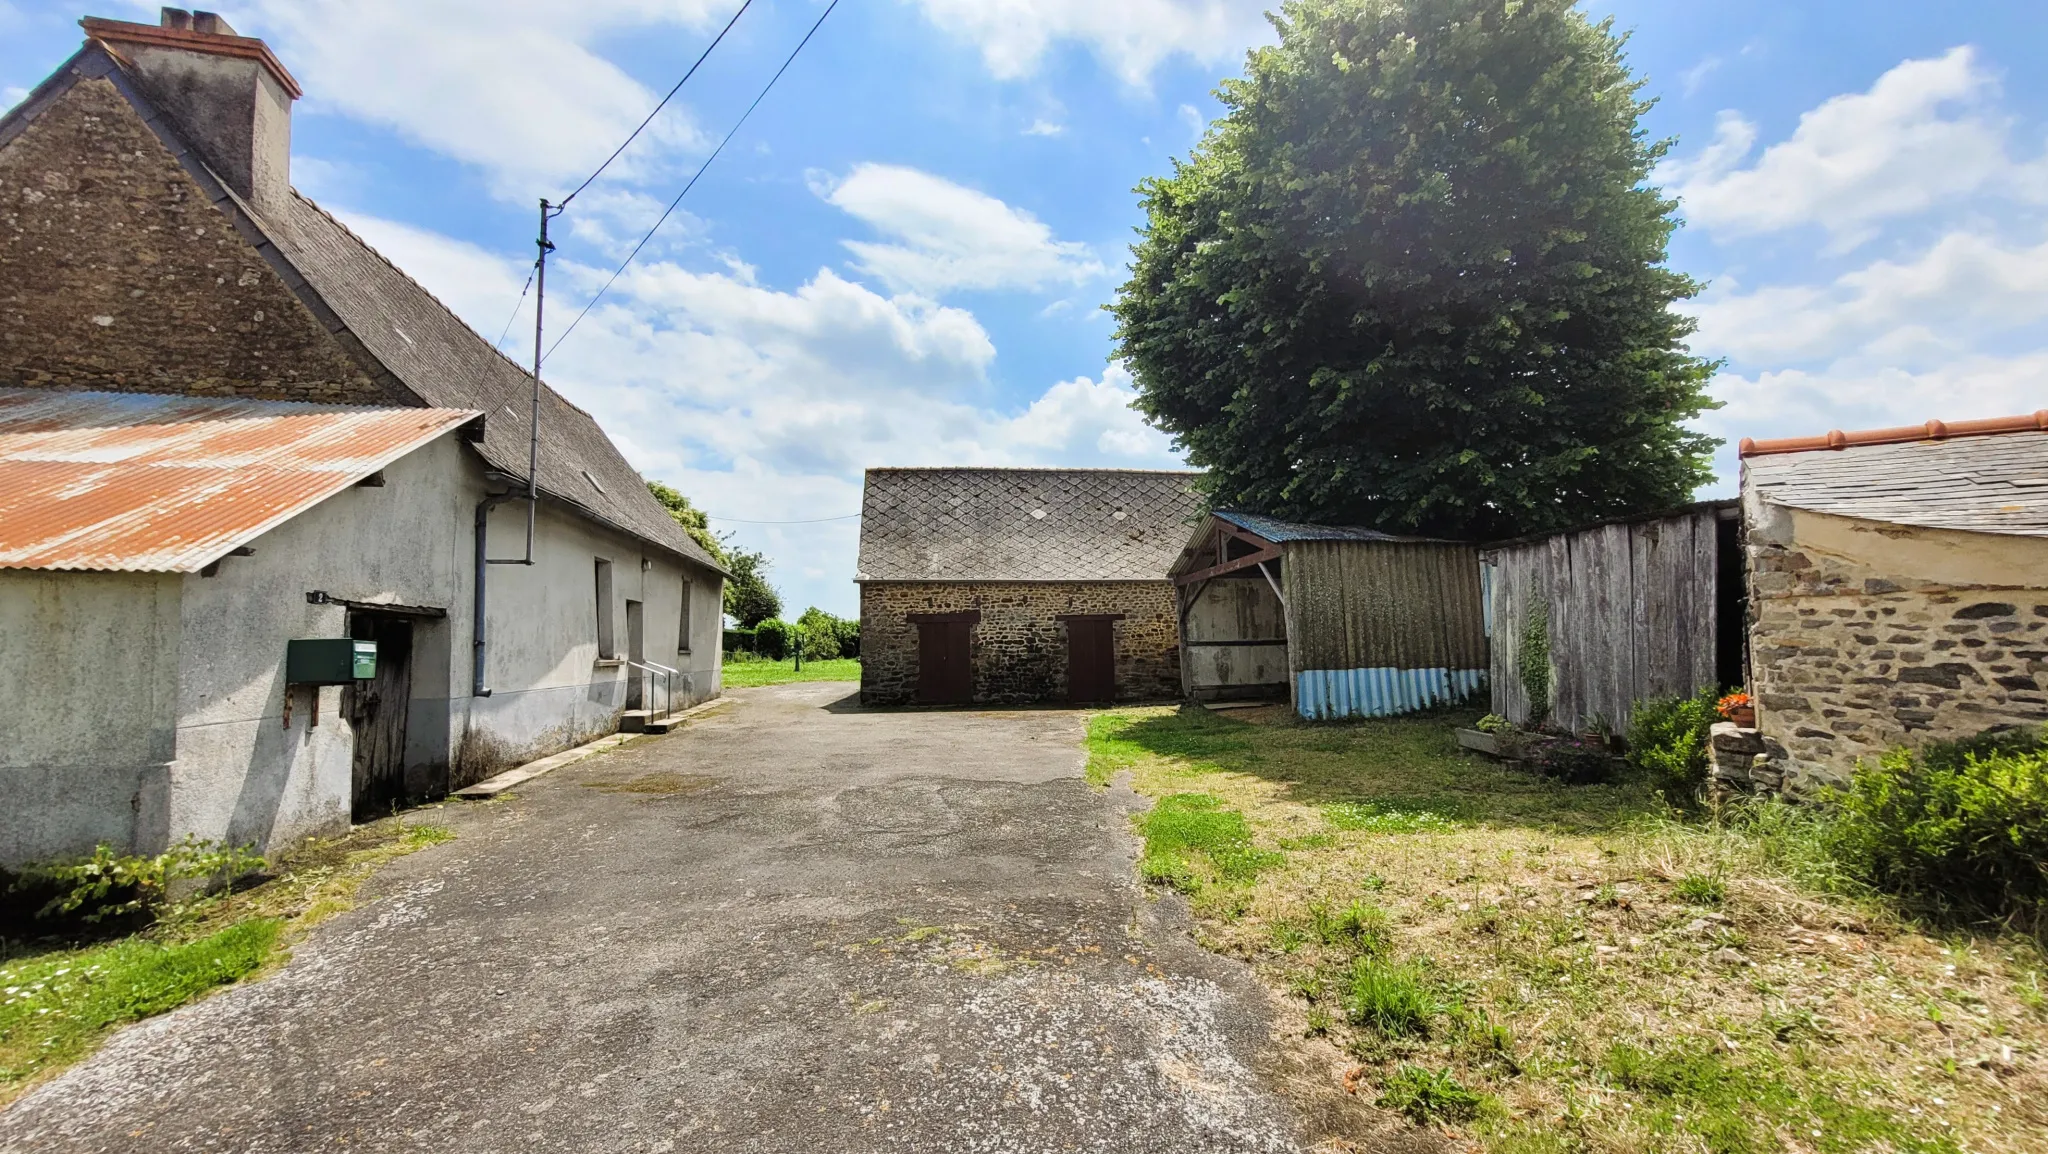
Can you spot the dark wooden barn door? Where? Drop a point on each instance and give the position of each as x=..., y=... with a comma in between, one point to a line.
x=376, y=712
x=1091, y=659
x=944, y=674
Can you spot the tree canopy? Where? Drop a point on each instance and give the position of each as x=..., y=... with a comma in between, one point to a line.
x=1414, y=278
x=749, y=599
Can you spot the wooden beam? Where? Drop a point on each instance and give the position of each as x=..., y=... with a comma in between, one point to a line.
x=1270, y=553
x=1282, y=597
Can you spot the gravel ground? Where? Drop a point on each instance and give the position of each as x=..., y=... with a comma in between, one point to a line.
x=792, y=926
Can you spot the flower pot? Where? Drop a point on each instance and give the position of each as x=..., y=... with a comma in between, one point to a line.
x=1743, y=715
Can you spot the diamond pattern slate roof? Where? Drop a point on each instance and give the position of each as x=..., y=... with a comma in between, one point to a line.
x=974, y=524
x=1993, y=484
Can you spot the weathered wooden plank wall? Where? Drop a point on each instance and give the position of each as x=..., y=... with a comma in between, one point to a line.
x=1632, y=616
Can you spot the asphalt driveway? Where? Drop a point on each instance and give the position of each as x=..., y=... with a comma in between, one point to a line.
x=792, y=926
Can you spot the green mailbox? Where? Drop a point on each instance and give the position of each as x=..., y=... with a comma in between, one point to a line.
x=329, y=660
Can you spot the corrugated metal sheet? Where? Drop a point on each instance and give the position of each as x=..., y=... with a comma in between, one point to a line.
x=1334, y=694
x=1383, y=605
x=1632, y=611
x=136, y=482
x=1280, y=532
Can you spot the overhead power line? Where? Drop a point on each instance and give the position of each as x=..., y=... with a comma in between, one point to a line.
x=516, y=306
x=665, y=213
x=657, y=108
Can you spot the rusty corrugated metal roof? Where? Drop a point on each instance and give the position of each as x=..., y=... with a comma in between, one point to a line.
x=148, y=483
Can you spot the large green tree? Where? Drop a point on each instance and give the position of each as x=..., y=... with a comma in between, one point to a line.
x=1414, y=278
x=749, y=598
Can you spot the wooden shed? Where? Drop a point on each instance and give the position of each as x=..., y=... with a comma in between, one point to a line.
x=1340, y=621
x=1628, y=610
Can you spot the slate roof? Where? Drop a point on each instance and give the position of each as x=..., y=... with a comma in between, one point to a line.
x=447, y=364
x=1280, y=532
x=139, y=482
x=975, y=524
x=1984, y=484
x=419, y=346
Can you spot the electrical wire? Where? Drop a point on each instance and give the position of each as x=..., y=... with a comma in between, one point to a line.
x=665, y=213
x=812, y=521
x=664, y=103
x=516, y=306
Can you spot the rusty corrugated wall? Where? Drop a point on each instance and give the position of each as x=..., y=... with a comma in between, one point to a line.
x=1379, y=627
x=1632, y=613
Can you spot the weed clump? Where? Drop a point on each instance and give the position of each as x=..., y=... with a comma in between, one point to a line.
x=1701, y=889
x=1393, y=999
x=1427, y=1096
x=1667, y=738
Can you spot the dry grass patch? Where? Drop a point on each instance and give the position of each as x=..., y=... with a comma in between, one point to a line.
x=1536, y=967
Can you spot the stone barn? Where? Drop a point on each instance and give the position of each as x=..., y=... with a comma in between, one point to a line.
x=1003, y=586
x=1898, y=587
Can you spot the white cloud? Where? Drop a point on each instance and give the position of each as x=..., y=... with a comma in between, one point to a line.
x=1921, y=135
x=943, y=236
x=513, y=86
x=1130, y=37
x=1944, y=303
x=1043, y=127
x=1692, y=78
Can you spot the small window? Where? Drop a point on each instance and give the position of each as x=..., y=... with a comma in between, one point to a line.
x=607, y=633
x=683, y=626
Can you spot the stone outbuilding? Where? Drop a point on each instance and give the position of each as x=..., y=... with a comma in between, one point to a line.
x=1898, y=584
x=985, y=585
x=228, y=428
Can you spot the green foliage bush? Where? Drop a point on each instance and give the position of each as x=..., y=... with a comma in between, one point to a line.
x=826, y=636
x=115, y=885
x=1667, y=738
x=773, y=637
x=1961, y=826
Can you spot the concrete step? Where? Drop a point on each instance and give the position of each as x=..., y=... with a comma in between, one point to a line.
x=637, y=720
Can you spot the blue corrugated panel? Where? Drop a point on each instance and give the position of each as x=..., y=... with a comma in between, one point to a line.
x=1333, y=694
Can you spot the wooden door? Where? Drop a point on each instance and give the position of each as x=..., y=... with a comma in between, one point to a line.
x=1091, y=659
x=945, y=675
x=376, y=711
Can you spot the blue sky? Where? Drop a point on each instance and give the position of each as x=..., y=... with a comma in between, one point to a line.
x=902, y=258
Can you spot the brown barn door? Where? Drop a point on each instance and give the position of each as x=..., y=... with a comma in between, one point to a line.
x=376, y=712
x=1091, y=659
x=944, y=674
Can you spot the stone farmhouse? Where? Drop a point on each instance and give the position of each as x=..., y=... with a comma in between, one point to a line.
x=1021, y=585
x=236, y=447
x=1898, y=587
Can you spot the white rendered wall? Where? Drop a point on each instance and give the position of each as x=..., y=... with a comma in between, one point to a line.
x=88, y=694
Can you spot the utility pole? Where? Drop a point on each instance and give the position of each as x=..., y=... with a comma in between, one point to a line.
x=540, y=302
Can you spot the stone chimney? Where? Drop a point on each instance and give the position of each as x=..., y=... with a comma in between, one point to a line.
x=226, y=93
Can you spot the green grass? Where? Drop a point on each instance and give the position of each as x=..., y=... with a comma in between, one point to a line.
x=54, y=1008
x=741, y=674
x=1559, y=969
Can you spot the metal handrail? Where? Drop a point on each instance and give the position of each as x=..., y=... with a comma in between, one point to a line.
x=668, y=685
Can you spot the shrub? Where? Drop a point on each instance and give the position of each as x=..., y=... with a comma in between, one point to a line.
x=826, y=636
x=1427, y=1096
x=114, y=885
x=1962, y=825
x=1667, y=737
x=772, y=638
x=1392, y=999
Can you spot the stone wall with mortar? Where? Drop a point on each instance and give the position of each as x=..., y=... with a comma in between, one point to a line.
x=117, y=273
x=1867, y=636
x=1019, y=648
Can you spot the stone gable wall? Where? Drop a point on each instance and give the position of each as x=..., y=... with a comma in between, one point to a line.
x=1019, y=648
x=1849, y=660
x=118, y=274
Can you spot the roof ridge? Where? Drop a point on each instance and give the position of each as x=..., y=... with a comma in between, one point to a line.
x=394, y=266
x=1029, y=469
x=1898, y=435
